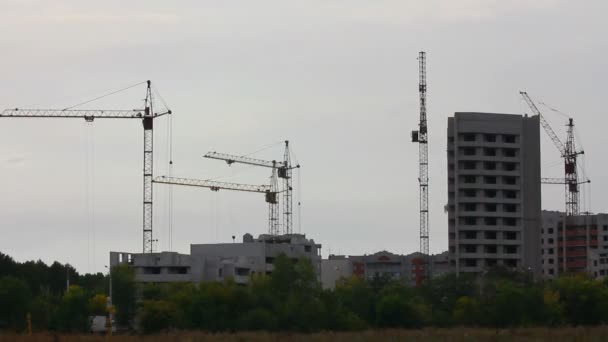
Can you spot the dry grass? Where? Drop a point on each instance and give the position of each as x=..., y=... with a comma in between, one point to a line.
x=457, y=334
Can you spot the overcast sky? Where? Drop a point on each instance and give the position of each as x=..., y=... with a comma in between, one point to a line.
x=339, y=79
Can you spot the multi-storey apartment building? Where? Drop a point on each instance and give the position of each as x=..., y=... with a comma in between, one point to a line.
x=494, y=199
x=407, y=269
x=582, y=247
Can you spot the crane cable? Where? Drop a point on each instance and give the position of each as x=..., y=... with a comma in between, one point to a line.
x=105, y=95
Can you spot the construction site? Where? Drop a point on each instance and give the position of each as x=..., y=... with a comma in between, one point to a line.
x=494, y=209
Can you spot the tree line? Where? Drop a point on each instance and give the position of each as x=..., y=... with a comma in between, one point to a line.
x=291, y=299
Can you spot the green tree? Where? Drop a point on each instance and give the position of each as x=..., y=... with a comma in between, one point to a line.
x=124, y=294
x=156, y=316
x=585, y=301
x=14, y=302
x=98, y=305
x=73, y=312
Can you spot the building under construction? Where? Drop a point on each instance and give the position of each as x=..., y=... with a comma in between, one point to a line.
x=574, y=244
x=219, y=261
x=494, y=199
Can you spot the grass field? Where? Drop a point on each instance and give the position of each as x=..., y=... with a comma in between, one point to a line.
x=457, y=334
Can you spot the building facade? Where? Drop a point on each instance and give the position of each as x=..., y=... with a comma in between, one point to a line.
x=494, y=198
x=405, y=268
x=216, y=262
x=582, y=247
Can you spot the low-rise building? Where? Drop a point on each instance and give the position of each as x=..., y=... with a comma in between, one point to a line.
x=406, y=268
x=216, y=262
x=574, y=244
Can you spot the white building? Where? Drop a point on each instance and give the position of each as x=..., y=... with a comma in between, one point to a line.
x=216, y=262
x=494, y=201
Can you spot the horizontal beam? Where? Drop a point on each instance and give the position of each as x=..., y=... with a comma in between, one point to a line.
x=213, y=185
x=231, y=159
x=87, y=114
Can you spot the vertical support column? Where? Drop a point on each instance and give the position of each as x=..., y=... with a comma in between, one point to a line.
x=148, y=141
x=423, y=171
x=273, y=203
x=287, y=194
x=148, y=239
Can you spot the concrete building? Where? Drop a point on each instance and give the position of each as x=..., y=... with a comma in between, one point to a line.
x=405, y=268
x=216, y=262
x=582, y=247
x=494, y=198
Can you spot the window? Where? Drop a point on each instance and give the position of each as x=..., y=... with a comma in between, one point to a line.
x=605, y=228
x=508, y=138
x=550, y=251
x=510, y=194
x=469, y=193
x=489, y=166
x=509, y=166
x=550, y=230
x=307, y=248
x=510, y=235
x=490, y=221
x=452, y=236
x=510, y=263
x=550, y=271
x=489, y=179
x=491, y=249
x=468, y=151
x=550, y=240
x=510, y=249
x=491, y=207
x=469, y=165
x=470, y=249
x=605, y=238
x=490, y=193
x=470, y=221
x=469, y=179
x=509, y=152
x=489, y=152
x=510, y=208
x=510, y=221
x=551, y=261
x=509, y=180
x=470, y=262
x=489, y=137
x=469, y=234
x=542, y=231
x=470, y=207
x=468, y=137
x=490, y=235
x=491, y=262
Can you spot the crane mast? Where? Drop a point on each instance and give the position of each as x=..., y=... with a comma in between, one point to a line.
x=421, y=137
x=285, y=174
x=569, y=154
x=146, y=115
x=281, y=170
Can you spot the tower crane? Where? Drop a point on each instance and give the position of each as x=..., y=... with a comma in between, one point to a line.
x=279, y=169
x=568, y=153
x=146, y=115
x=421, y=137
